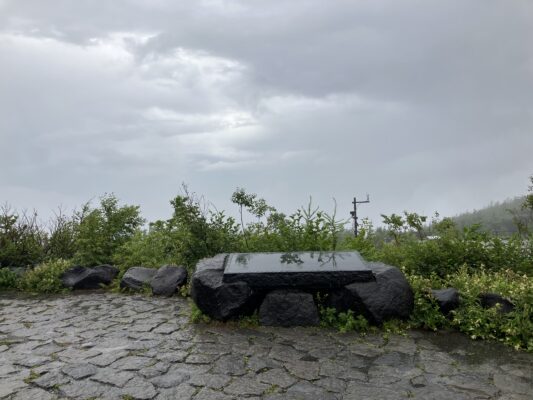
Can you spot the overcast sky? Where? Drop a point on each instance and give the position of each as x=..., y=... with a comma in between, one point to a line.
x=425, y=105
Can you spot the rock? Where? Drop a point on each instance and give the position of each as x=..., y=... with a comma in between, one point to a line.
x=489, y=300
x=220, y=300
x=448, y=299
x=211, y=263
x=288, y=308
x=389, y=296
x=137, y=277
x=298, y=270
x=168, y=279
x=89, y=278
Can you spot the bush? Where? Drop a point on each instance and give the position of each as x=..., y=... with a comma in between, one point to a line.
x=45, y=278
x=8, y=279
x=101, y=231
x=514, y=329
x=21, y=239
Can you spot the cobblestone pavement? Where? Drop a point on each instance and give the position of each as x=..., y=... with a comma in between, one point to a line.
x=108, y=346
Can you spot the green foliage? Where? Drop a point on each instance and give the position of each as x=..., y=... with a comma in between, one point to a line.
x=364, y=242
x=452, y=248
x=61, y=240
x=101, y=231
x=514, y=329
x=343, y=321
x=45, y=278
x=197, y=316
x=8, y=279
x=21, y=239
x=308, y=229
x=426, y=313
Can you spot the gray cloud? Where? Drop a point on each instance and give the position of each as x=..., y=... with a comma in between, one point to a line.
x=426, y=105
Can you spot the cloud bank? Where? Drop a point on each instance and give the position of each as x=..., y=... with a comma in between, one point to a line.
x=425, y=105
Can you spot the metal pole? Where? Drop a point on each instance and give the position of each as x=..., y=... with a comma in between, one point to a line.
x=354, y=213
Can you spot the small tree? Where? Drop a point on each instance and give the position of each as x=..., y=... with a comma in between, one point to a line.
x=101, y=231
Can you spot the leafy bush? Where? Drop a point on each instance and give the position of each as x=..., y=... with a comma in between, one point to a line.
x=8, y=279
x=45, y=278
x=101, y=231
x=343, y=321
x=21, y=239
x=514, y=328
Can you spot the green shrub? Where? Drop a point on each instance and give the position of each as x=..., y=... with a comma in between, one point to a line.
x=514, y=329
x=21, y=239
x=45, y=278
x=197, y=316
x=8, y=279
x=343, y=321
x=426, y=313
x=101, y=231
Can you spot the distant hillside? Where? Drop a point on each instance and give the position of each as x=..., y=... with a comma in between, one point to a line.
x=496, y=217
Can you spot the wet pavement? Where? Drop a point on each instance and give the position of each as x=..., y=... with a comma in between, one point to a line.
x=111, y=346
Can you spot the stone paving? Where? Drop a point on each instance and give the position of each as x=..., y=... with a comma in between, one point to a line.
x=110, y=346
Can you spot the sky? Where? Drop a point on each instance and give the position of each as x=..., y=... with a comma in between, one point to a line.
x=425, y=105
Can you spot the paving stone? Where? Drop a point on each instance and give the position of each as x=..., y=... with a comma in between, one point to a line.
x=210, y=394
x=132, y=363
x=181, y=392
x=31, y=362
x=107, y=358
x=51, y=379
x=113, y=377
x=140, y=389
x=230, y=365
x=303, y=369
x=216, y=382
x=82, y=389
x=79, y=371
x=307, y=391
x=201, y=358
x=170, y=379
x=33, y=394
x=246, y=386
x=510, y=383
x=227, y=362
x=331, y=384
x=155, y=370
x=9, y=386
x=277, y=377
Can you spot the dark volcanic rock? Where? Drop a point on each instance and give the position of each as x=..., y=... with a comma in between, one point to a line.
x=136, y=277
x=489, y=300
x=168, y=279
x=288, y=308
x=389, y=296
x=89, y=278
x=448, y=299
x=220, y=300
x=211, y=263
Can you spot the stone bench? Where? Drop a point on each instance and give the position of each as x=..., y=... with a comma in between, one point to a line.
x=283, y=287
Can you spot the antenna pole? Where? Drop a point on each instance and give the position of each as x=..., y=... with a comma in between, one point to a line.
x=354, y=213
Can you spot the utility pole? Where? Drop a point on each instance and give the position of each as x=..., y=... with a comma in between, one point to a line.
x=354, y=212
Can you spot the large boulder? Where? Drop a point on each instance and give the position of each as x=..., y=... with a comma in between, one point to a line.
x=489, y=300
x=89, y=277
x=447, y=299
x=168, y=279
x=288, y=308
x=212, y=263
x=389, y=296
x=137, y=277
x=219, y=300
